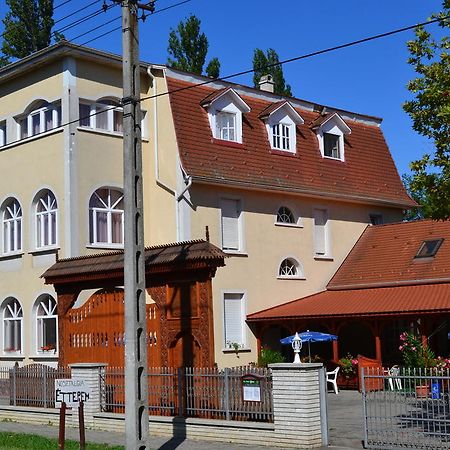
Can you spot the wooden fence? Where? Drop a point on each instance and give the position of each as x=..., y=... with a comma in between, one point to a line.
x=195, y=392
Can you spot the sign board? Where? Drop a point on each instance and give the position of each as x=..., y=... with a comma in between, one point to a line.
x=251, y=388
x=71, y=391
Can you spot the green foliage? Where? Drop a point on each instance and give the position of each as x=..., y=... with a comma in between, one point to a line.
x=188, y=48
x=415, y=354
x=33, y=442
x=348, y=365
x=421, y=197
x=269, y=356
x=268, y=64
x=430, y=113
x=28, y=27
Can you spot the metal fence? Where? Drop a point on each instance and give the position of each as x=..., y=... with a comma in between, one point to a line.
x=406, y=408
x=32, y=385
x=194, y=392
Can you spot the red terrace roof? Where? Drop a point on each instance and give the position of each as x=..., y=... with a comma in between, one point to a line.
x=384, y=255
x=400, y=300
x=368, y=173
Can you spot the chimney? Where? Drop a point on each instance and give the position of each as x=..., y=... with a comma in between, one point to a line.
x=266, y=83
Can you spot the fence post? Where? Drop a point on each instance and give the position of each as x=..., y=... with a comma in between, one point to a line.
x=44, y=380
x=296, y=405
x=15, y=385
x=180, y=391
x=227, y=393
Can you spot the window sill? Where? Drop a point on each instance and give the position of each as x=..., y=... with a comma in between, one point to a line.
x=42, y=356
x=234, y=144
x=116, y=134
x=12, y=357
x=288, y=225
x=104, y=246
x=276, y=151
x=44, y=250
x=31, y=138
x=240, y=350
x=333, y=159
x=236, y=253
x=279, y=277
x=323, y=258
x=15, y=255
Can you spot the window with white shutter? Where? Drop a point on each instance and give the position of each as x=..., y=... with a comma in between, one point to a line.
x=233, y=308
x=321, y=244
x=230, y=209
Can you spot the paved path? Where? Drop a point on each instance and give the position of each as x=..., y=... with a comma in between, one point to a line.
x=345, y=422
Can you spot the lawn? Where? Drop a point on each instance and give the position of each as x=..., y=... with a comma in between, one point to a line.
x=33, y=442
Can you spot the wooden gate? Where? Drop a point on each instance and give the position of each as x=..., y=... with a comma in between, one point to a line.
x=95, y=332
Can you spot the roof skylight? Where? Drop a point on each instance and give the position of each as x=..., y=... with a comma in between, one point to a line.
x=429, y=248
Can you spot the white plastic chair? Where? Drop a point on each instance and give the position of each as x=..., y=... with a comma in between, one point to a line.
x=332, y=378
x=393, y=374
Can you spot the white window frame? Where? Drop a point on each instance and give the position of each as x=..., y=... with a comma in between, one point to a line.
x=14, y=307
x=3, y=137
x=322, y=213
x=43, y=226
x=49, y=305
x=228, y=343
x=334, y=125
x=240, y=232
x=110, y=106
x=12, y=227
x=337, y=148
x=25, y=123
x=299, y=272
x=110, y=210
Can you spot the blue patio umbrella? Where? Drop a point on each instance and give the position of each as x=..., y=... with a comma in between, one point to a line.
x=310, y=336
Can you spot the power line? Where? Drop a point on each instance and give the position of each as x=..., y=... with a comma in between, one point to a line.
x=76, y=12
x=245, y=72
x=61, y=4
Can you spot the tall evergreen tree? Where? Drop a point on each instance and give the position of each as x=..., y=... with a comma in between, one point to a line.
x=430, y=113
x=28, y=27
x=268, y=64
x=188, y=48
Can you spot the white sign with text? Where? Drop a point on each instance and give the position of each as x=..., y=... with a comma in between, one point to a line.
x=71, y=391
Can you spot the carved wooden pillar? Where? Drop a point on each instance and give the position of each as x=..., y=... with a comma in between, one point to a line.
x=158, y=294
x=64, y=303
x=334, y=330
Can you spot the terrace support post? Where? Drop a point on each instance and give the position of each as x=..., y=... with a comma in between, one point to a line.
x=90, y=373
x=299, y=405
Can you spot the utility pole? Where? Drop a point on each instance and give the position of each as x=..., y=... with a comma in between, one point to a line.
x=136, y=388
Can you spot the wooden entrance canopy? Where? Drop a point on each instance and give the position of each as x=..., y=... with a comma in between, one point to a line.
x=180, y=321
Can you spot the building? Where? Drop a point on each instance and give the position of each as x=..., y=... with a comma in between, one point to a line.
x=285, y=187
x=395, y=279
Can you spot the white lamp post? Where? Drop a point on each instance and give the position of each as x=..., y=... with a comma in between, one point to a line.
x=297, y=346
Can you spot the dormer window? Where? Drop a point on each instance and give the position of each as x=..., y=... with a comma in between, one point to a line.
x=225, y=109
x=226, y=126
x=281, y=120
x=330, y=130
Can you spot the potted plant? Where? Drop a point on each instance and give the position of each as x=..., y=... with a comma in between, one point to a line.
x=417, y=356
x=348, y=373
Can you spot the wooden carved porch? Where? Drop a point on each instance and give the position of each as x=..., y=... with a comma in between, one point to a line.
x=179, y=307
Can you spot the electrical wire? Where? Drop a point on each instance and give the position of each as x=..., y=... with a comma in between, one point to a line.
x=297, y=58
x=61, y=4
x=76, y=12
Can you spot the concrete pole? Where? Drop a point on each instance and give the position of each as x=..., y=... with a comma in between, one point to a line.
x=136, y=401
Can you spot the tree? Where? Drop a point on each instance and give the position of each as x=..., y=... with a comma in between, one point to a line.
x=268, y=64
x=188, y=48
x=28, y=27
x=430, y=113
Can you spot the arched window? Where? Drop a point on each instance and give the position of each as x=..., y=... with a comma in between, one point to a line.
x=285, y=215
x=12, y=326
x=46, y=220
x=12, y=226
x=106, y=217
x=42, y=117
x=46, y=324
x=106, y=115
x=290, y=268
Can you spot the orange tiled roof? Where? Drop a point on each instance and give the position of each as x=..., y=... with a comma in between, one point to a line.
x=384, y=255
x=368, y=173
x=401, y=300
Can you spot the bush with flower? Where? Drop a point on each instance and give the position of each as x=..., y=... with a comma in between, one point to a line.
x=348, y=365
x=414, y=353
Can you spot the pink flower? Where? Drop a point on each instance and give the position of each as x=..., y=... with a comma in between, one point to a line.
x=401, y=347
x=413, y=349
x=355, y=362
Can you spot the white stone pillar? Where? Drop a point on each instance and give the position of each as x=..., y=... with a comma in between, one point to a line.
x=299, y=405
x=90, y=373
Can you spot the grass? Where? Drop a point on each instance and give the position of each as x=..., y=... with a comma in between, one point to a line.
x=32, y=442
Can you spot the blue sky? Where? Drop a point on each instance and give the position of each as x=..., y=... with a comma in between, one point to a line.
x=368, y=78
